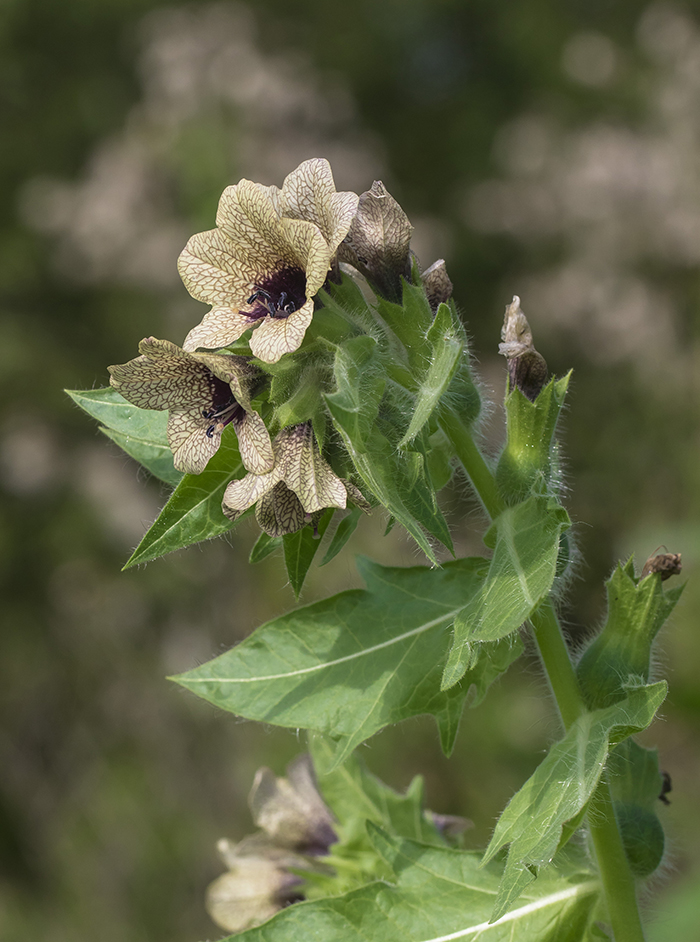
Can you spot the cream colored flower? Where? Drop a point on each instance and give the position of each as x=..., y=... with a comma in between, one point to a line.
x=257, y=884
x=267, y=258
x=290, y=810
x=203, y=393
x=300, y=484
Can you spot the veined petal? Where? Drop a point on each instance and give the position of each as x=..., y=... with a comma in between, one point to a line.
x=242, y=494
x=311, y=251
x=279, y=335
x=309, y=193
x=218, y=271
x=254, y=444
x=163, y=377
x=219, y=327
x=188, y=440
x=308, y=475
x=280, y=511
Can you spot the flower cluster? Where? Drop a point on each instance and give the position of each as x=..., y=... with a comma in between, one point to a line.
x=260, y=269
x=263, y=869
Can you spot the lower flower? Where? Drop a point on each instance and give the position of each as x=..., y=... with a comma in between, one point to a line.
x=300, y=485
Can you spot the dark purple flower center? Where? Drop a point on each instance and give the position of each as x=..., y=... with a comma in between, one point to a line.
x=224, y=406
x=278, y=295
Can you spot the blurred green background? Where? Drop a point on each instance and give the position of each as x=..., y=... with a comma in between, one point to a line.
x=541, y=148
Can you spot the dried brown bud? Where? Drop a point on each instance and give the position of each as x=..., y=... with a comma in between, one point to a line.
x=437, y=284
x=378, y=243
x=666, y=564
x=527, y=368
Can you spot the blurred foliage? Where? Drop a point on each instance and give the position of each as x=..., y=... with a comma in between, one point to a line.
x=541, y=147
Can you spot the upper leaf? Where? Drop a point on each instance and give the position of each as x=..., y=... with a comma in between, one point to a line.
x=525, y=539
x=351, y=664
x=193, y=512
x=438, y=894
x=561, y=786
x=142, y=433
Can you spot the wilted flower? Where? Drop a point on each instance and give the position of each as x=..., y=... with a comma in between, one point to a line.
x=378, y=242
x=290, y=810
x=257, y=885
x=295, y=822
x=666, y=564
x=203, y=393
x=527, y=368
x=267, y=258
x=300, y=485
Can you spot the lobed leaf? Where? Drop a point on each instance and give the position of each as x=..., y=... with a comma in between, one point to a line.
x=353, y=663
x=438, y=895
x=525, y=541
x=559, y=789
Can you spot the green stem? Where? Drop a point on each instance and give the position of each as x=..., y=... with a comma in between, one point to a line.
x=616, y=876
x=472, y=461
x=557, y=663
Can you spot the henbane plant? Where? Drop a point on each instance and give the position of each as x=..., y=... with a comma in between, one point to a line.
x=331, y=378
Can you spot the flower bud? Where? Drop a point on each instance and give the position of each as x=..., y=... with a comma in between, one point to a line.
x=378, y=243
x=527, y=369
x=437, y=284
x=621, y=654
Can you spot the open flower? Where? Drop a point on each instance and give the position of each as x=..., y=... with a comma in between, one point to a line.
x=257, y=884
x=300, y=485
x=267, y=258
x=290, y=810
x=295, y=823
x=203, y=393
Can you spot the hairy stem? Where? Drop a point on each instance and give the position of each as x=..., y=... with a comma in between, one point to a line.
x=616, y=876
x=615, y=873
x=472, y=461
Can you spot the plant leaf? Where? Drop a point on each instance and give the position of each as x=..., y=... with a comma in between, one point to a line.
x=264, y=546
x=353, y=663
x=438, y=895
x=193, y=512
x=525, y=539
x=343, y=532
x=533, y=820
x=300, y=549
x=444, y=349
x=142, y=433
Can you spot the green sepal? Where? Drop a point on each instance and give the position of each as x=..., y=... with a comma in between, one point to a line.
x=525, y=541
x=530, y=450
x=637, y=609
x=193, y=512
x=443, y=351
x=398, y=479
x=141, y=433
x=409, y=323
x=533, y=821
x=635, y=786
x=300, y=549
